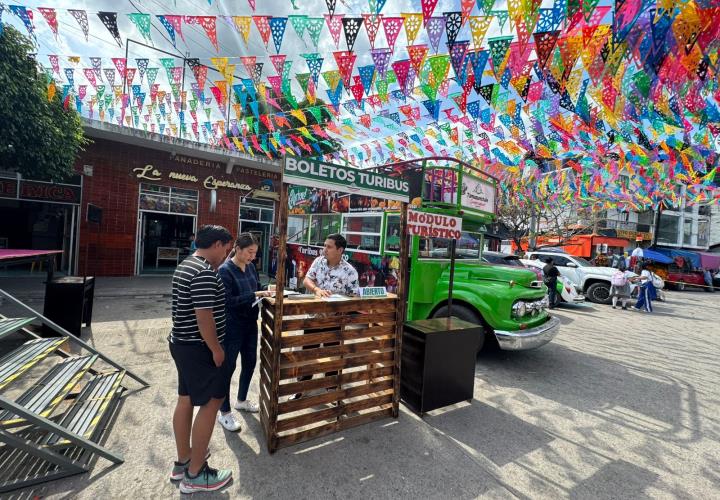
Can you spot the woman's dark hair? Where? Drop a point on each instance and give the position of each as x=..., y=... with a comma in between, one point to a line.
x=245, y=240
x=209, y=234
x=339, y=239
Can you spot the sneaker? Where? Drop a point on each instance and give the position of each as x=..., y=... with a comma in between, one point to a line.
x=228, y=422
x=208, y=479
x=296, y=396
x=179, y=468
x=614, y=307
x=247, y=405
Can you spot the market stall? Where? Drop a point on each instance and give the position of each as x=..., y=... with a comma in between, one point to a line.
x=333, y=363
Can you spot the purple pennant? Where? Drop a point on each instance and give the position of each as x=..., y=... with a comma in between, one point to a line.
x=381, y=58
x=435, y=28
x=457, y=57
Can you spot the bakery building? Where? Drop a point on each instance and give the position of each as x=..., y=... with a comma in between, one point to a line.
x=138, y=199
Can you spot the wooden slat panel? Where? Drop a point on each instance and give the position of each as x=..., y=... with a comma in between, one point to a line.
x=349, y=333
x=322, y=367
x=307, y=419
x=334, y=396
x=265, y=332
x=365, y=404
x=345, y=378
x=267, y=318
x=331, y=321
x=324, y=430
x=371, y=306
x=305, y=355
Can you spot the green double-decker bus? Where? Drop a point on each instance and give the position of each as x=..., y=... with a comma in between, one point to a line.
x=510, y=302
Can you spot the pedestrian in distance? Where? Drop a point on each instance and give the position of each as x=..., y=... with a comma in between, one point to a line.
x=647, y=292
x=551, y=274
x=198, y=315
x=708, y=278
x=620, y=288
x=242, y=289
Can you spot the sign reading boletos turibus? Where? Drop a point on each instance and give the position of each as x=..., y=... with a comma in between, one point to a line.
x=323, y=175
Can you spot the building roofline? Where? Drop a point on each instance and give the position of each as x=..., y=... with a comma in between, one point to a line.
x=151, y=140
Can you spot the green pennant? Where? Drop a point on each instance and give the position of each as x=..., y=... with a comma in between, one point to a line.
x=100, y=91
x=193, y=104
x=391, y=77
x=316, y=112
x=332, y=78
x=429, y=91
x=208, y=112
x=142, y=22
x=303, y=79
x=286, y=70
x=642, y=83
x=382, y=88
x=487, y=6
x=499, y=46
x=439, y=65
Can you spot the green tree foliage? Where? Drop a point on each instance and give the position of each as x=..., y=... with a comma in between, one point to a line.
x=38, y=138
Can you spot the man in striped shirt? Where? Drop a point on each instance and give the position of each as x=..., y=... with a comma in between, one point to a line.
x=198, y=313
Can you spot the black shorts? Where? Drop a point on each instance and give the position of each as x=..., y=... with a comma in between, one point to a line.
x=198, y=377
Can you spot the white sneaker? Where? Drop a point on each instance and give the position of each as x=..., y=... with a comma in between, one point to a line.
x=228, y=422
x=247, y=405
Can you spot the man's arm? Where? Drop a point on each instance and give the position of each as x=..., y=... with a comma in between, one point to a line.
x=309, y=281
x=206, y=325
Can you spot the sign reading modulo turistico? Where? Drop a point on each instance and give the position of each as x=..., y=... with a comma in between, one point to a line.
x=322, y=175
x=433, y=225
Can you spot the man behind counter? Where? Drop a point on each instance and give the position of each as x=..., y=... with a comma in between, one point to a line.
x=330, y=273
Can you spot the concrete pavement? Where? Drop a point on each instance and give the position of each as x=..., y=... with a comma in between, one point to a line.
x=621, y=404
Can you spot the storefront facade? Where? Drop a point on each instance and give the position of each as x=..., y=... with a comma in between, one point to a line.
x=41, y=216
x=141, y=204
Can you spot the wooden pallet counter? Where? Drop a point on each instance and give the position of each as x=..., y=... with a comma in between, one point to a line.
x=342, y=357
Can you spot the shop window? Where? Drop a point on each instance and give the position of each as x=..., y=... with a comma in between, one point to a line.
x=321, y=226
x=362, y=231
x=392, y=234
x=668, y=228
x=156, y=198
x=298, y=229
x=687, y=232
x=266, y=215
x=249, y=213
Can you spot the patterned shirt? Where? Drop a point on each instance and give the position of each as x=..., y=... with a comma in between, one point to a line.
x=196, y=285
x=343, y=278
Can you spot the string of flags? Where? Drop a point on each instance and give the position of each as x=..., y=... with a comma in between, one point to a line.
x=560, y=102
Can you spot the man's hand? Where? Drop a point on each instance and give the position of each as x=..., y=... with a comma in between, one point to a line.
x=218, y=357
x=319, y=292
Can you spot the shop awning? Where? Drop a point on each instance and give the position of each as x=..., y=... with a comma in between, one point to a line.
x=692, y=257
x=656, y=256
x=709, y=260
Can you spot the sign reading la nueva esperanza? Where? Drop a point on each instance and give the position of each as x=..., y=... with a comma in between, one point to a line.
x=349, y=180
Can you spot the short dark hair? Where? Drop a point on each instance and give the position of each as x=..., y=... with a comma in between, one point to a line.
x=339, y=239
x=209, y=234
x=548, y=260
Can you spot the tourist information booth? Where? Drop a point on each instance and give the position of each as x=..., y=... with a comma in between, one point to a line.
x=340, y=355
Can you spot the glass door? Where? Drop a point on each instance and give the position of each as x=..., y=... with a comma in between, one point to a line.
x=256, y=217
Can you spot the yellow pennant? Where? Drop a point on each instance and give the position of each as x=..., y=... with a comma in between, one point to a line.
x=478, y=28
x=220, y=63
x=242, y=23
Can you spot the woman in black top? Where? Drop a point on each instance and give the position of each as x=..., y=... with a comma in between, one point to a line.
x=242, y=288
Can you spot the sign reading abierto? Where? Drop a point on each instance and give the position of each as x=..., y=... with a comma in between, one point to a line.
x=433, y=225
x=369, y=292
x=322, y=175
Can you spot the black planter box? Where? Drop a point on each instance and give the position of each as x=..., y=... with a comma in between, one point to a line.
x=438, y=362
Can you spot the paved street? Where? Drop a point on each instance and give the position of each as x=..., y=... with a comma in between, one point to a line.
x=621, y=405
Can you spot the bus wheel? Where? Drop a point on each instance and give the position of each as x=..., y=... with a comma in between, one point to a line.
x=465, y=314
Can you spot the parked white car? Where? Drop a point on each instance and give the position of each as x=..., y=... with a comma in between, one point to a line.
x=592, y=281
x=567, y=289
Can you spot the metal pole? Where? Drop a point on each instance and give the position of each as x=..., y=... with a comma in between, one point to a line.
x=453, y=242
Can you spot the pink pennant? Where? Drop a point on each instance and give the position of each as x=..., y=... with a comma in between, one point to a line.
x=130, y=74
x=252, y=4
x=120, y=64
x=334, y=24
x=401, y=69
x=55, y=63
x=278, y=62
x=263, y=26
x=249, y=63
x=51, y=18
x=200, y=72
x=276, y=83
x=392, y=27
x=208, y=23
x=466, y=6
x=176, y=23
x=90, y=76
x=372, y=24
x=428, y=7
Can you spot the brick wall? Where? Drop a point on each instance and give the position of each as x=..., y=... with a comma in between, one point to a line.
x=109, y=250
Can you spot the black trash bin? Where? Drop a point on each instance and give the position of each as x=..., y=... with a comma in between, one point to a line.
x=69, y=303
x=438, y=362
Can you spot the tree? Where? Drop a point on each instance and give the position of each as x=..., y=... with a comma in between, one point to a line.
x=38, y=137
x=516, y=220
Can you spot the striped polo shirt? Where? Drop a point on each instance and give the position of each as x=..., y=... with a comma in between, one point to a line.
x=196, y=285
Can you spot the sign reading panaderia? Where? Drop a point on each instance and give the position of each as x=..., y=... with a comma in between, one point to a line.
x=322, y=175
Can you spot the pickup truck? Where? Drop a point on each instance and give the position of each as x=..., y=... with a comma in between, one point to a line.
x=592, y=281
